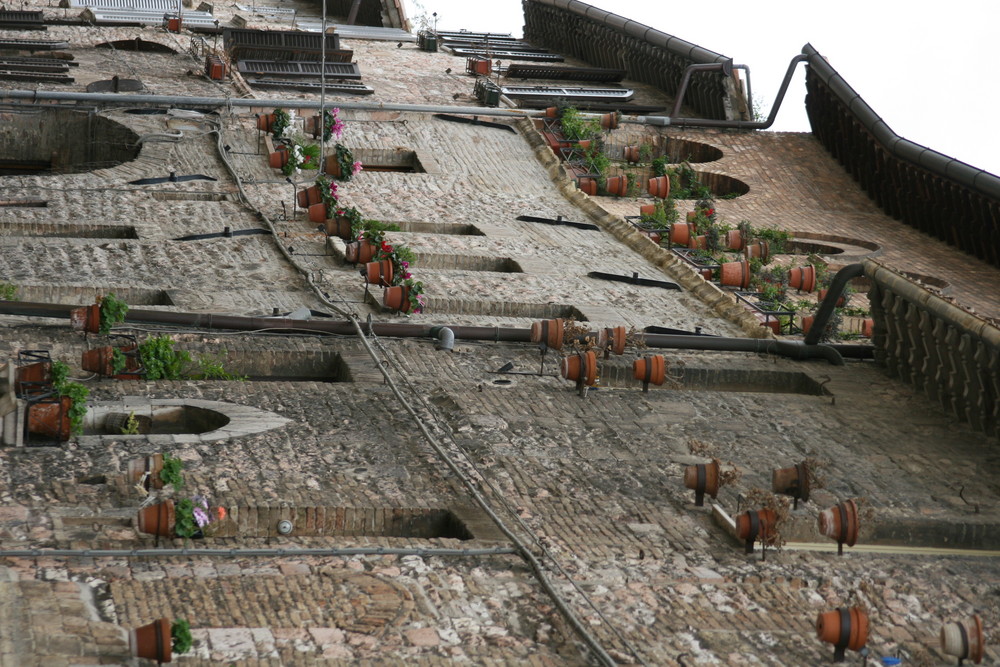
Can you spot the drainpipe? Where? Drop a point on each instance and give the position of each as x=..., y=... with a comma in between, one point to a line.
x=836, y=290
x=243, y=553
x=446, y=337
x=793, y=350
x=740, y=124
x=726, y=68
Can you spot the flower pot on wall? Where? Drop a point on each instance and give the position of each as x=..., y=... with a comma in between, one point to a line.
x=844, y=628
x=333, y=166
x=821, y=295
x=587, y=185
x=397, y=298
x=807, y=323
x=308, y=196
x=317, y=212
x=793, y=481
x=632, y=154
x=803, y=278
x=580, y=368
x=549, y=332
x=735, y=274
x=99, y=360
x=359, y=252
x=659, y=186
x=157, y=519
x=681, y=232
x=279, y=158
x=702, y=478
x=609, y=121
x=650, y=370
x=87, y=318
x=965, y=640
x=338, y=226
x=378, y=273
x=756, y=525
x=51, y=420
x=612, y=339
x=868, y=327
x=759, y=249
x=39, y=372
x=265, y=122
x=840, y=523
x=617, y=185
x=698, y=242
x=152, y=641
x=735, y=240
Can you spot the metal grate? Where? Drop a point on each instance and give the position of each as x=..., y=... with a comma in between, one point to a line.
x=159, y=5
x=341, y=87
x=523, y=71
x=623, y=94
x=54, y=65
x=268, y=11
x=299, y=68
x=32, y=45
x=13, y=20
x=462, y=34
x=357, y=31
x=20, y=75
x=279, y=40
x=509, y=55
x=103, y=16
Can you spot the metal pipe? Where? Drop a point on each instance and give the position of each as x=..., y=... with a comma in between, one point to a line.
x=243, y=553
x=835, y=291
x=790, y=349
x=446, y=337
x=743, y=124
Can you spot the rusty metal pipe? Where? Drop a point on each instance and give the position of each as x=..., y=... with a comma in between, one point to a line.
x=793, y=350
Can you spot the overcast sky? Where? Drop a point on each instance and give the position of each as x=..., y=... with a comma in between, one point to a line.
x=928, y=70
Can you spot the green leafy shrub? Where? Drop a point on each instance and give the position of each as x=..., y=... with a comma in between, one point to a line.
x=113, y=312
x=576, y=127
x=172, y=472
x=78, y=407
x=8, y=291
x=161, y=360
x=118, y=361
x=210, y=367
x=180, y=633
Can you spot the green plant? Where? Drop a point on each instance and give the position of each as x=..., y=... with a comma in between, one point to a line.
x=776, y=238
x=160, y=359
x=210, y=367
x=118, y=361
x=597, y=161
x=172, y=471
x=345, y=160
x=78, y=404
x=354, y=216
x=184, y=523
x=645, y=151
x=8, y=291
x=301, y=156
x=575, y=127
x=131, y=426
x=60, y=371
x=374, y=230
x=113, y=312
x=327, y=191
x=415, y=294
x=659, y=166
x=180, y=634
x=282, y=120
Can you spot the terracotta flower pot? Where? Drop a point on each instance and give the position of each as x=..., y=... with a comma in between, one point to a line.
x=580, y=367
x=659, y=186
x=840, y=523
x=87, y=318
x=378, y=273
x=317, y=212
x=756, y=525
x=397, y=298
x=698, y=242
x=760, y=249
x=152, y=464
x=51, y=419
x=609, y=121
x=702, y=478
x=735, y=240
x=653, y=235
x=735, y=274
x=632, y=154
x=965, y=640
x=333, y=166
x=681, y=232
x=157, y=519
x=652, y=369
x=313, y=126
x=39, y=372
x=612, y=339
x=279, y=158
x=647, y=209
x=265, y=122
x=174, y=24
x=99, y=360
x=803, y=278
x=359, y=252
x=551, y=112
x=617, y=186
x=308, y=196
x=844, y=628
x=807, y=323
x=822, y=297
x=587, y=185
x=868, y=327
x=549, y=332
x=152, y=641
x=339, y=226
x=793, y=481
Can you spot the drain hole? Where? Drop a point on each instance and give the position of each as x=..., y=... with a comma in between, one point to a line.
x=501, y=382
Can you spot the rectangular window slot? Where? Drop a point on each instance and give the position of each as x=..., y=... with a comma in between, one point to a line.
x=23, y=203
x=85, y=295
x=720, y=379
x=500, y=308
x=269, y=364
x=67, y=231
x=439, y=228
x=189, y=196
x=459, y=262
x=389, y=159
x=312, y=521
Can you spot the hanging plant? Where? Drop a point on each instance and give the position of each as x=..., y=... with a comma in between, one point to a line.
x=301, y=156
x=346, y=163
x=160, y=359
x=113, y=312
x=282, y=120
x=333, y=127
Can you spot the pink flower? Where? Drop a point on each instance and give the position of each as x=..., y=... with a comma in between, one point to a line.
x=404, y=264
x=356, y=167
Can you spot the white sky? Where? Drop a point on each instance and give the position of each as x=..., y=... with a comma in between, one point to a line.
x=929, y=70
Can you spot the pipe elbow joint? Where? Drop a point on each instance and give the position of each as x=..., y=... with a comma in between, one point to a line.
x=446, y=338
